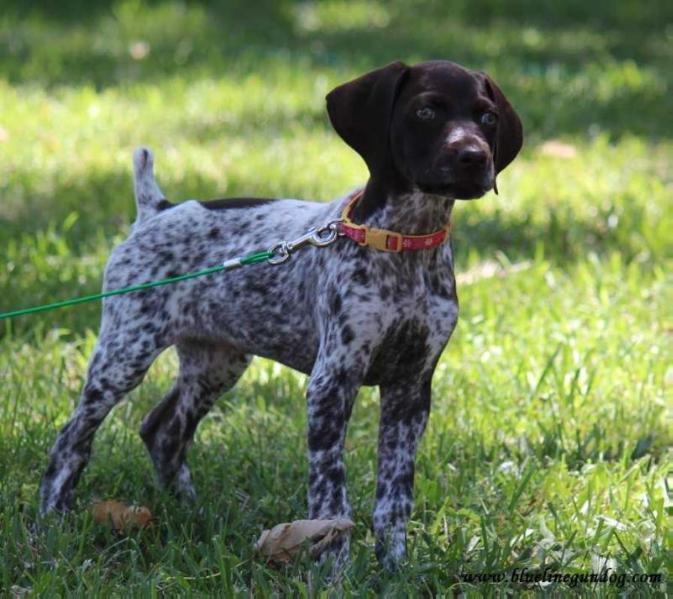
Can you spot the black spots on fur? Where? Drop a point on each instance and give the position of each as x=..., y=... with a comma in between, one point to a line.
x=149, y=327
x=360, y=276
x=174, y=427
x=254, y=286
x=93, y=395
x=145, y=293
x=152, y=422
x=336, y=475
x=347, y=335
x=335, y=501
x=229, y=203
x=166, y=256
x=411, y=338
x=401, y=353
x=214, y=233
x=441, y=287
x=324, y=437
x=341, y=377
x=335, y=303
x=164, y=205
x=95, y=361
x=139, y=365
x=169, y=446
x=405, y=482
x=51, y=470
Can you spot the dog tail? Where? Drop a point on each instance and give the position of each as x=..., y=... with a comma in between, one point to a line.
x=149, y=198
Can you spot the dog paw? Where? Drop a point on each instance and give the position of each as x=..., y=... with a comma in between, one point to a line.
x=391, y=551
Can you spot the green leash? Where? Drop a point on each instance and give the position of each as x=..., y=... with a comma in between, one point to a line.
x=228, y=265
x=279, y=253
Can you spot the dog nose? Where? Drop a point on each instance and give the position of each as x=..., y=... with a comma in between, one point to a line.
x=471, y=157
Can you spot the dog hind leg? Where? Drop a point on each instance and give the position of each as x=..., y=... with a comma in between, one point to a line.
x=117, y=366
x=206, y=371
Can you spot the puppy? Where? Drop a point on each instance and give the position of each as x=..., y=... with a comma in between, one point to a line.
x=376, y=307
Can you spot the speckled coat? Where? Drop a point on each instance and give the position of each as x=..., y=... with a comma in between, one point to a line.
x=346, y=315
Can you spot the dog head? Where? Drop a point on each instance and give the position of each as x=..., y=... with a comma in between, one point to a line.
x=435, y=127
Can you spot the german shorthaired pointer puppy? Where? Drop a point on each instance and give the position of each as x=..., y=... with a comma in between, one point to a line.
x=375, y=308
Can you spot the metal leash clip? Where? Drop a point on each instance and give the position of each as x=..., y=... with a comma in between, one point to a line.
x=316, y=236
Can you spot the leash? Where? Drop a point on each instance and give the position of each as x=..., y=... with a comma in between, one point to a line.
x=279, y=253
x=379, y=239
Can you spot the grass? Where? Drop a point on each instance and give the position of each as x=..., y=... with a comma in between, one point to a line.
x=550, y=438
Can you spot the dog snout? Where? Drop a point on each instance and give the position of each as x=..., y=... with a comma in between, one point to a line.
x=471, y=157
x=462, y=159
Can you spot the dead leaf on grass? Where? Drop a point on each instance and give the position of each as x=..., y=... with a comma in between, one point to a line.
x=120, y=516
x=558, y=149
x=283, y=541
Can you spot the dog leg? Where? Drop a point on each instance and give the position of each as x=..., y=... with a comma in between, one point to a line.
x=206, y=371
x=404, y=414
x=331, y=391
x=117, y=366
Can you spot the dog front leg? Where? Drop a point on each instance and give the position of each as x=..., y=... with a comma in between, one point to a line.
x=404, y=414
x=331, y=392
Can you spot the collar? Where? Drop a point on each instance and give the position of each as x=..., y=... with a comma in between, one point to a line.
x=384, y=239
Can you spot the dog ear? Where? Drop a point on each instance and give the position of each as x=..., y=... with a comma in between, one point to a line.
x=509, y=135
x=361, y=110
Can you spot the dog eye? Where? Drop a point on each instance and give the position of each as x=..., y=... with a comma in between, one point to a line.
x=425, y=114
x=489, y=119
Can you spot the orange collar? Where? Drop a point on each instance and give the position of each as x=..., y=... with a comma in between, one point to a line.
x=383, y=239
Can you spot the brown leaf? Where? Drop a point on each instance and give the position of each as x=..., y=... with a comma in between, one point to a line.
x=558, y=149
x=139, y=50
x=121, y=516
x=283, y=541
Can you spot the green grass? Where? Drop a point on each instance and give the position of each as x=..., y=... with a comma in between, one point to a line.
x=550, y=438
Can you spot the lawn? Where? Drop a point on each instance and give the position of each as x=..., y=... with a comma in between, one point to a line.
x=549, y=443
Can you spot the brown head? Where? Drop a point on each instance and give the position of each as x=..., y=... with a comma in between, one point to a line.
x=435, y=127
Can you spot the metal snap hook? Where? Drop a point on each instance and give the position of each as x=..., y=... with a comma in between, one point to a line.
x=326, y=235
x=281, y=253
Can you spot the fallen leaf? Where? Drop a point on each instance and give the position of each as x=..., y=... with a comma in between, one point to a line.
x=121, y=516
x=139, y=50
x=490, y=269
x=283, y=541
x=558, y=149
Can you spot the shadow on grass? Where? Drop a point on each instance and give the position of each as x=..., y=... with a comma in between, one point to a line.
x=567, y=66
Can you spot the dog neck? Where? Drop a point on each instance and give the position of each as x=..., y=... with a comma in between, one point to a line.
x=407, y=212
